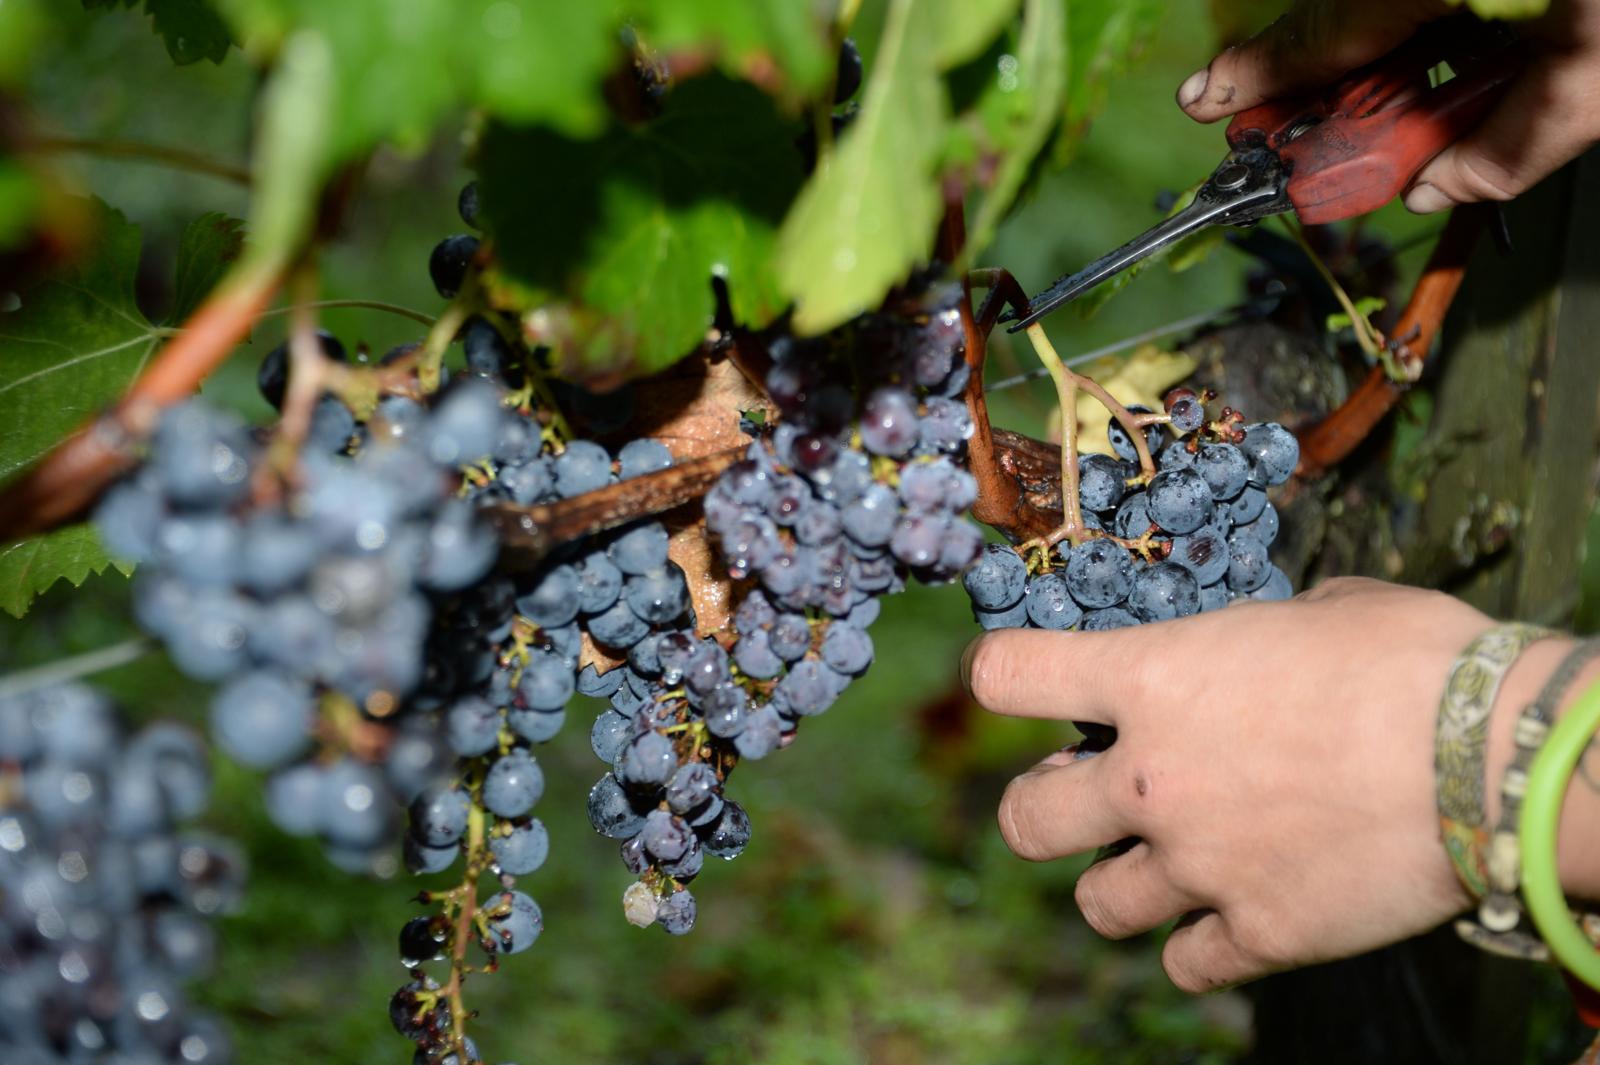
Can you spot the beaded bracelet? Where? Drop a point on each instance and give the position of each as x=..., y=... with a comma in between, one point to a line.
x=1499, y=927
x=1460, y=739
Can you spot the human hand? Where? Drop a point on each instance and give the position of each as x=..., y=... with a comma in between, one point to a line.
x=1275, y=761
x=1547, y=118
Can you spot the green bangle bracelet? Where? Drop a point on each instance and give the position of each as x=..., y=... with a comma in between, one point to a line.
x=1548, y=778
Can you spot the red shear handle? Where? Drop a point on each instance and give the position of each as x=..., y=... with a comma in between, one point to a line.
x=1348, y=166
x=1358, y=147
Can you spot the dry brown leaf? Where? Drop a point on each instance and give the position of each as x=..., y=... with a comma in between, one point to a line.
x=592, y=654
x=714, y=593
x=693, y=408
x=1141, y=378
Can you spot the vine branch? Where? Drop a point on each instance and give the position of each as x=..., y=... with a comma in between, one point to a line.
x=71, y=477
x=528, y=534
x=138, y=151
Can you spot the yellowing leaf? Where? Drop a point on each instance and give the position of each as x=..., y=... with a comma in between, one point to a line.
x=1017, y=112
x=1143, y=378
x=869, y=212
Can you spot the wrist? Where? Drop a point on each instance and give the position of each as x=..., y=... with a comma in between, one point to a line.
x=1578, y=841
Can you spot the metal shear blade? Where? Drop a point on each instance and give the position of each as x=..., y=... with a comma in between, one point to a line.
x=1248, y=186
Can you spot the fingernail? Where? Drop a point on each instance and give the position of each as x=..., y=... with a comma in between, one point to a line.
x=1193, y=87
x=1426, y=199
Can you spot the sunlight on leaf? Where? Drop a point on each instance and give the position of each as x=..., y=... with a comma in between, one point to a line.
x=869, y=212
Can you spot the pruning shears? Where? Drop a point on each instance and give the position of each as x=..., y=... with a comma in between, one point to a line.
x=1330, y=155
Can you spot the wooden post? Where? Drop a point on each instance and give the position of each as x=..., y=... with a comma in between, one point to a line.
x=1502, y=526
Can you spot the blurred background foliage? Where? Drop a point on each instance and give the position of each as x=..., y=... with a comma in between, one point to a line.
x=876, y=916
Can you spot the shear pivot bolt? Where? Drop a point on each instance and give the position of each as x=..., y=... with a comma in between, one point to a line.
x=1230, y=176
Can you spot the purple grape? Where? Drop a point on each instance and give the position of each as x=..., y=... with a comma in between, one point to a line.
x=1049, y=605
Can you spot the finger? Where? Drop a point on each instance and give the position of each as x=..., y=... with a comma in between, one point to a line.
x=1052, y=811
x=1200, y=955
x=1311, y=45
x=1068, y=676
x=1546, y=120
x=1128, y=895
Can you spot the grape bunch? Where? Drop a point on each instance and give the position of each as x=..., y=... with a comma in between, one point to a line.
x=311, y=610
x=1195, y=538
x=105, y=900
x=826, y=513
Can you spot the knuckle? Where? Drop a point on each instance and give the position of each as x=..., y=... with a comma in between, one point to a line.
x=1015, y=818
x=1141, y=678
x=1184, y=968
x=1484, y=179
x=1096, y=907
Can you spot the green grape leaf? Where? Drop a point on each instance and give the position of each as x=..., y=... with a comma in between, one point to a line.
x=209, y=245
x=964, y=28
x=1102, y=38
x=1366, y=307
x=29, y=567
x=19, y=202
x=1013, y=117
x=782, y=45
x=869, y=212
x=528, y=60
x=609, y=246
x=22, y=23
x=71, y=346
x=191, y=29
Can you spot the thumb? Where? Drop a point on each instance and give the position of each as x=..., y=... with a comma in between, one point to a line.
x=1547, y=119
x=1315, y=42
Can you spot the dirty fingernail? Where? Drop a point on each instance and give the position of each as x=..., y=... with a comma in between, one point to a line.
x=1426, y=199
x=1193, y=87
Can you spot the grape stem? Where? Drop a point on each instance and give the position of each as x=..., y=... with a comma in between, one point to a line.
x=538, y=385
x=1368, y=339
x=444, y=331
x=1127, y=419
x=362, y=305
x=306, y=380
x=465, y=897
x=1066, y=383
x=1327, y=443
